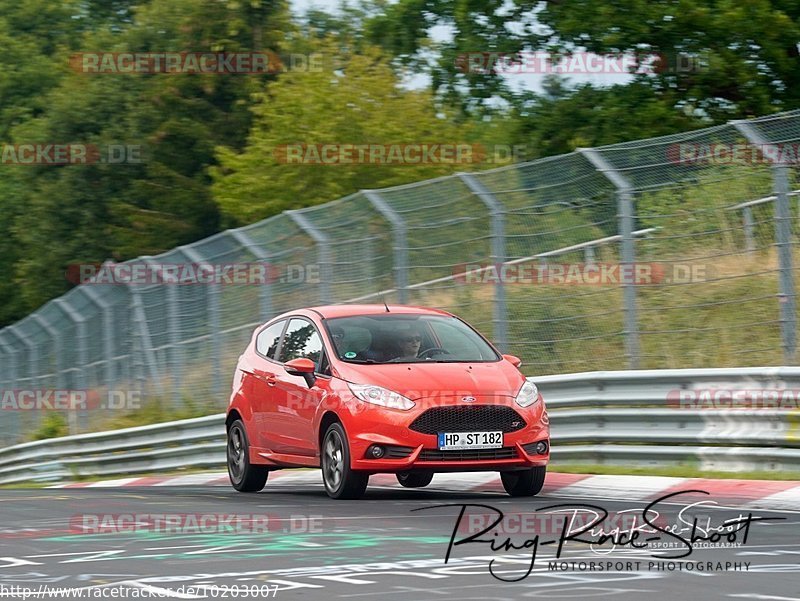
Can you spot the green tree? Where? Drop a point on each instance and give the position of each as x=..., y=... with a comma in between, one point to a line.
x=54, y=216
x=358, y=100
x=740, y=57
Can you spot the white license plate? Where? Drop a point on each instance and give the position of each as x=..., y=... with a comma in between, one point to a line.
x=470, y=440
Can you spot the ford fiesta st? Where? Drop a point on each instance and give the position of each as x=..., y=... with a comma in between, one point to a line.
x=363, y=389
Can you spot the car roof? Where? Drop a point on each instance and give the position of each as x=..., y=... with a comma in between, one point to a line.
x=331, y=311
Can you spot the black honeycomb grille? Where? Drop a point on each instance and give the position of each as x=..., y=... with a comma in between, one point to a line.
x=472, y=418
x=394, y=452
x=468, y=454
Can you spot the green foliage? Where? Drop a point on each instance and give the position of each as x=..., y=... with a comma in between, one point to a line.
x=700, y=214
x=355, y=101
x=745, y=53
x=53, y=216
x=155, y=411
x=53, y=425
x=590, y=116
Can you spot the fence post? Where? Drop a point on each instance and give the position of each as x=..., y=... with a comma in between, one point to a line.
x=399, y=242
x=497, y=212
x=175, y=350
x=749, y=240
x=783, y=239
x=323, y=252
x=144, y=334
x=215, y=330
x=265, y=291
x=55, y=335
x=34, y=355
x=626, y=225
x=108, y=331
x=80, y=325
x=9, y=380
x=8, y=376
x=83, y=359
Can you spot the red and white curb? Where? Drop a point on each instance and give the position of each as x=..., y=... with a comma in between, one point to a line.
x=756, y=494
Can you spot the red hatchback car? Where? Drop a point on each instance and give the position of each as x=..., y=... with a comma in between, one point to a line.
x=365, y=389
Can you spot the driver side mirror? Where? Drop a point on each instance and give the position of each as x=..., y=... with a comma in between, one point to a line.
x=515, y=361
x=302, y=367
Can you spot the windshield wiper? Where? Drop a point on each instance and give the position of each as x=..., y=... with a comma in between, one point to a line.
x=361, y=361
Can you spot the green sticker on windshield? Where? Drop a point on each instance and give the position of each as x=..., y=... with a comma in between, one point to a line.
x=349, y=355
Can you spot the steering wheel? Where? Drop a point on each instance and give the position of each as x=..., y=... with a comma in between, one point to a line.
x=432, y=351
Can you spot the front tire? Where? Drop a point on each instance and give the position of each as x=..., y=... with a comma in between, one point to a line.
x=524, y=483
x=414, y=479
x=341, y=481
x=244, y=476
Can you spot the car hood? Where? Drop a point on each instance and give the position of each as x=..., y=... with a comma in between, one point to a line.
x=425, y=380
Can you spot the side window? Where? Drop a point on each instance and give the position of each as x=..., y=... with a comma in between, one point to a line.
x=267, y=340
x=325, y=365
x=301, y=341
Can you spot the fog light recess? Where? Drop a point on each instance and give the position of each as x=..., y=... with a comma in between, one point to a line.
x=541, y=447
x=376, y=451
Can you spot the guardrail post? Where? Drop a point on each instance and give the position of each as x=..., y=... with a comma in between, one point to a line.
x=215, y=331
x=497, y=212
x=108, y=331
x=783, y=239
x=399, y=242
x=265, y=291
x=323, y=252
x=626, y=224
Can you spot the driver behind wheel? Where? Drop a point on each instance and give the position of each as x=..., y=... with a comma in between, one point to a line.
x=408, y=344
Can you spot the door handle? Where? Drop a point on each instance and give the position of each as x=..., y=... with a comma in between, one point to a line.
x=268, y=378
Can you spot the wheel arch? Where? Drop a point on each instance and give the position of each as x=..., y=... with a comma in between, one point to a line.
x=233, y=415
x=328, y=418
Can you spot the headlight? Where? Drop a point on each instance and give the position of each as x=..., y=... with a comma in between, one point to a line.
x=527, y=395
x=380, y=396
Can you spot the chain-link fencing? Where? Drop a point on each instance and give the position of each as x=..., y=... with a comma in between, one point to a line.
x=670, y=252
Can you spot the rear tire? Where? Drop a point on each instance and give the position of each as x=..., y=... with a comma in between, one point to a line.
x=341, y=481
x=414, y=479
x=244, y=476
x=524, y=483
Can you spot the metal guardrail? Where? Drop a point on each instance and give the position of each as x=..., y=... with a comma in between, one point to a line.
x=617, y=417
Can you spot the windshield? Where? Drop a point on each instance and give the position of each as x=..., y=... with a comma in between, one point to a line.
x=407, y=338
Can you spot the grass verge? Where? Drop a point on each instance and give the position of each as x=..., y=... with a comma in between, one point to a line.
x=676, y=471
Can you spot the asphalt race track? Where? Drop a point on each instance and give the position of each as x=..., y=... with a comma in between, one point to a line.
x=298, y=543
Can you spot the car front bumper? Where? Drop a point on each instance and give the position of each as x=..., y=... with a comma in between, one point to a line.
x=407, y=449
